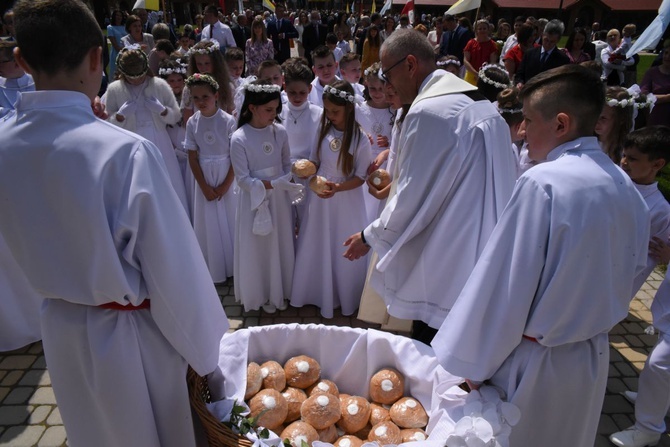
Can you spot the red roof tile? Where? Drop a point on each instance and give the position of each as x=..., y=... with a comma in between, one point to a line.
x=615, y=5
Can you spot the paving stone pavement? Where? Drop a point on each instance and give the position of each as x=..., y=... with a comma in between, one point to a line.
x=29, y=413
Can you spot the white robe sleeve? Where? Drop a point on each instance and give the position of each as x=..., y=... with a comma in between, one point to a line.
x=166, y=97
x=240, y=162
x=362, y=157
x=154, y=236
x=489, y=317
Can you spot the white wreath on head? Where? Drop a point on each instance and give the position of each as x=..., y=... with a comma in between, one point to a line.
x=487, y=80
x=623, y=103
x=340, y=93
x=207, y=50
x=262, y=88
x=519, y=110
x=369, y=71
x=448, y=62
x=649, y=102
x=169, y=71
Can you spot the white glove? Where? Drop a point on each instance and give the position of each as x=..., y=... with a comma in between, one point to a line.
x=296, y=192
x=154, y=105
x=128, y=108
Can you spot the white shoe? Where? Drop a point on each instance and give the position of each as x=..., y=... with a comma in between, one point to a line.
x=631, y=396
x=632, y=437
x=284, y=305
x=269, y=308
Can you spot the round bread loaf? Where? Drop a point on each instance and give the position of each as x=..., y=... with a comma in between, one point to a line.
x=298, y=432
x=385, y=433
x=380, y=179
x=318, y=184
x=363, y=434
x=409, y=413
x=254, y=380
x=324, y=386
x=379, y=413
x=328, y=434
x=348, y=441
x=269, y=407
x=273, y=375
x=387, y=386
x=413, y=434
x=303, y=168
x=294, y=398
x=355, y=414
x=321, y=410
x=302, y=371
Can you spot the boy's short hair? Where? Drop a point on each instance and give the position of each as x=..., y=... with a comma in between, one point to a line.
x=571, y=89
x=331, y=38
x=595, y=66
x=233, y=54
x=160, y=31
x=269, y=63
x=294, y=60
x=297, y=72
x=654, y=141
x=164, y=45
x=7, y=49
x=37, y=21
x=347, y=59
x=322, y=52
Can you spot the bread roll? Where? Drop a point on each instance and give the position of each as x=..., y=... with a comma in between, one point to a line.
x=355, y=414
x=302, y=371
x=254, y=380
x=269, y=407
x=303, y=168
x=387, y=386
x=328, y=434
x=324, y=386
x=385, y=433
x=298, y=432
x=363, y=433
x=348, y=441
x=409, y=413
x=413, y=434
x=379, y=413
x=318, y=184
x=273, y=375
x=294, y=398
x=321, y=410
x=380, y=179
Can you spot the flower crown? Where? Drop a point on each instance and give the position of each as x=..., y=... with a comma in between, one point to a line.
x=623, y=103
x=487, y=80
x=340, y=93
x=262, y=88
x=168, y=71
x=371, y=71
x=204, y=50
x=642, y=101
x=119, y=65
x=504, y=110
x=448, y=62
x=199, y=78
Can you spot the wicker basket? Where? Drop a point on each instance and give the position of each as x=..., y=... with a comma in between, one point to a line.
x=218, y=434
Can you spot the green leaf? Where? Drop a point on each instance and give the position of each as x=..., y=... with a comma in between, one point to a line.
x=264, y=434
x=303, y=444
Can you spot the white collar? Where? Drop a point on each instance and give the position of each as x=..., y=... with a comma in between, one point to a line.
x=579, y=144
x=44, y=99
x=646, y=190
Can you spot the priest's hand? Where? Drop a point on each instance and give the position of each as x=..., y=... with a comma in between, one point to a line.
x=379, y=194
x=356, y=247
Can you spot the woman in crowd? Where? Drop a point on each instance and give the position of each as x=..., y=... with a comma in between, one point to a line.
x=115, y=31
x=136, y=36
x=574, y=48
x=479, y=51
x=657, y=81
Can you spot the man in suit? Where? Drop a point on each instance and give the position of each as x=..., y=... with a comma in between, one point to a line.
x=241, y=32
x=454, y=38
x=281, y=31
x=313, y=35
x=545, y=57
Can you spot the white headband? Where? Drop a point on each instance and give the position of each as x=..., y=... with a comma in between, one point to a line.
x=487, y=80
x=341, y=93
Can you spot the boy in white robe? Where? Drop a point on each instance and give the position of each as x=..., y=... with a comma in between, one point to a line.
x=556, y=274
x=13, y=79
x=91, y=218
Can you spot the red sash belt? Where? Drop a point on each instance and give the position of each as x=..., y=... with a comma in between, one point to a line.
x=530, y=338
x=116, y=306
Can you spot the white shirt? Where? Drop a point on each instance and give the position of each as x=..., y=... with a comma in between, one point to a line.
x=9, y=91
x=302, y=125
x=222, y=34
x=509, y=43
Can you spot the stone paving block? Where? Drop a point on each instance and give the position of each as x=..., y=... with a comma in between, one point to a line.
x=615, y=386
x=39, y=414
x=312, y=320
x=625, y=369
x=43, y=396
x=639, y=366
x=616, y=404
x=36, y=348
x=655, y=283
x=633, y=355
x=12, y=378
x=646, y=316
x=622, y=421
x=631, y=383
x=4, y=391
x=615, y=356
x=251, y=321
x=649, y=340
x=264, y=321
x=18, y=362
x=55, y=418
x=234, y=311
x=606, y=425
x=13, y=414
x=53, y=437
x=40, y=363
x=633, y=328
x=645, y=295
x=602, y=441
x=236, y=323
x=634, y=341
x=3, y=373
x=229, y=301
x=252, y=313
x=21, y=435
x=18, y=395
x=36, y=377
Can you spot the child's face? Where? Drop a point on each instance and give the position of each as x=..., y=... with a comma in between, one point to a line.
x=325, y=69
x=376, y=90
x=162, y=55
x=606, y=123
x=392, y=96
x=332, y=46
x=451, y=68
x=204, y=99
x=639, y=167
x=9, y=68
x=352, y=73
x=335, y=114
x=184, y=42
x=537, y=130
x=297, y=92
x=264, y=114
x=235, y=68
x=176, y=82
x=203, y=62
x=272, y=74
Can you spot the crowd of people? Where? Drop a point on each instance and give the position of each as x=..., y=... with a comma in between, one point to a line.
x=505, y=207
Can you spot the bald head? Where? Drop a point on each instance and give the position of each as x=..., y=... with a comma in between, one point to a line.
x=404, y=42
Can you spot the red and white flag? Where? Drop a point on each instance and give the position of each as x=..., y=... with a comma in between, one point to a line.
x=409, y=10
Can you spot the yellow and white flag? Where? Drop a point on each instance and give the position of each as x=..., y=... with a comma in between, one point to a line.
x=267, y=4
x=462, y=6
